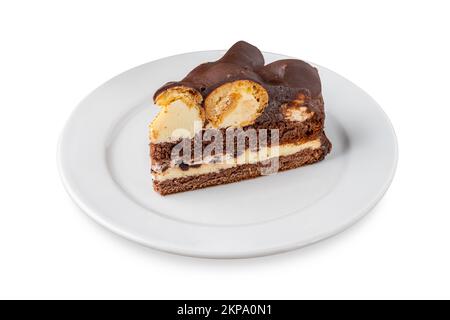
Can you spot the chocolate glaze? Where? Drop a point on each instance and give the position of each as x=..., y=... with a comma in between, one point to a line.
x=283, y=79
x=240, y=62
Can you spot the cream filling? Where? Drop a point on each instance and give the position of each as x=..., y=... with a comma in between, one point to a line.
x=176, y=121
x=248, y=157
x=180, y=121
x=244, y=112
x=246, y=108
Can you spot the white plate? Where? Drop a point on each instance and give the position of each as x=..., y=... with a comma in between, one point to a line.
x=104, y=163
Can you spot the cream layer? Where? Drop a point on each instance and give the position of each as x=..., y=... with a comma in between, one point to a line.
x=248, y=157
x=179, y=121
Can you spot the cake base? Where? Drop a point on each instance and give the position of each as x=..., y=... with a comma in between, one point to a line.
x=240, y=172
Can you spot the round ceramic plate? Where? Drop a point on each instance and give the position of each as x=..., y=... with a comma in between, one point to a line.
x=104, y=163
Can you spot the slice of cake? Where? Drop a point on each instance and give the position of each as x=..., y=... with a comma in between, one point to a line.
x=235, y=119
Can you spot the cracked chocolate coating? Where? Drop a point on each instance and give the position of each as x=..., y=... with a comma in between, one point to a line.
x=284, y=80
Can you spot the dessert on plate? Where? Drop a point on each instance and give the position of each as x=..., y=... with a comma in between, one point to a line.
x=234, y=119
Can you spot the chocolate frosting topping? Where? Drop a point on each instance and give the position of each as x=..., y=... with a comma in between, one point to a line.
x=244, y=61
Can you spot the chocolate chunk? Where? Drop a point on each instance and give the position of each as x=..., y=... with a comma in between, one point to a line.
x=183, y=166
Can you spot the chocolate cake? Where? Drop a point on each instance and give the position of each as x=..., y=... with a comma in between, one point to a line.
x=235, y=119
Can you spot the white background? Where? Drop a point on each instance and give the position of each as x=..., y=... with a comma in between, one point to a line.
x=53, y=53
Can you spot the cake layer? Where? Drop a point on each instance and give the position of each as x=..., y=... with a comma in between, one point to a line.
x=239, y=172
x=225, y=162
x=288, y=132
